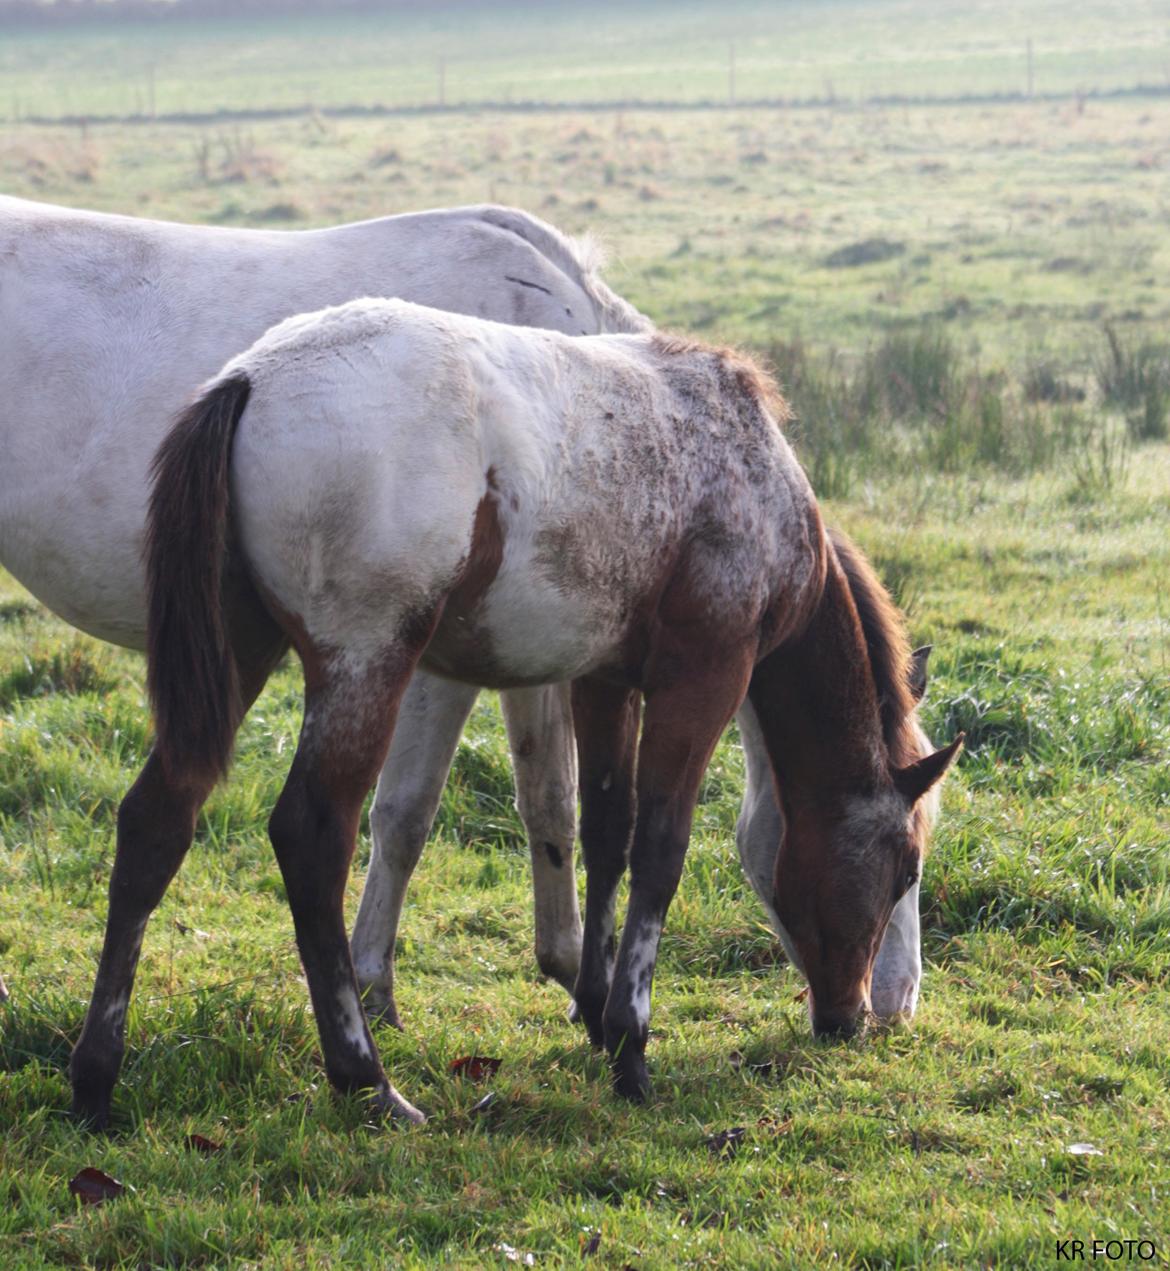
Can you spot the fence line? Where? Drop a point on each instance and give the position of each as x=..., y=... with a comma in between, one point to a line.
x=831, y=100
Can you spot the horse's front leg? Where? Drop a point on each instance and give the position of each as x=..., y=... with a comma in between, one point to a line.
x=606, y=722
x=430, y=720
x=681, y=728
x=540, y=733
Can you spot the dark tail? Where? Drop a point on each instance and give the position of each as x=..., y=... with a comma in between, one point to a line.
x=191, y=670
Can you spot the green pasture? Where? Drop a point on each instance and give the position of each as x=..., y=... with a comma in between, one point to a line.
x=968, y=304
x=657, y=50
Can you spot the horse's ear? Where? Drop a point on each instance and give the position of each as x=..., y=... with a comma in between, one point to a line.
x=913, y=781
x=918, y=661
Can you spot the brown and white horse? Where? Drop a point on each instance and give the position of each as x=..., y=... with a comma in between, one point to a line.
x=385, y=486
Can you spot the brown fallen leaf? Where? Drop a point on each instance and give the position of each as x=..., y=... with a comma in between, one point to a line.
x=94, y=1186
x=802, y=996
x=475, y=1067
x=200, y=1143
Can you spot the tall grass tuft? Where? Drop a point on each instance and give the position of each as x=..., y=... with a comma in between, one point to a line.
x=1137, y=380
x=914, y=401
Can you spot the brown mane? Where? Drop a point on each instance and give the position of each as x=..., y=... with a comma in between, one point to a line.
x=747, y=374
x=889, y=649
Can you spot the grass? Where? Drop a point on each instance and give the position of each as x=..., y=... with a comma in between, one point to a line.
x=651, y=51
x=1045, y=1020
x=967, y=304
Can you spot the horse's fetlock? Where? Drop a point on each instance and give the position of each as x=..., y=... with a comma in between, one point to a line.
x=560, y=961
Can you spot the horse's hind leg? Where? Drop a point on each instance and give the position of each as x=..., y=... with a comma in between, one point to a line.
x=540, y=732
x=156, y=822
x=430, y=719
x=606, y=722
x=349, y=720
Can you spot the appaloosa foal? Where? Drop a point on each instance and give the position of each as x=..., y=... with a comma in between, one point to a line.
x=384, y=486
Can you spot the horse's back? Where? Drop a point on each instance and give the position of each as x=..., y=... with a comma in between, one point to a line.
x=108, y=324
x=380, y=435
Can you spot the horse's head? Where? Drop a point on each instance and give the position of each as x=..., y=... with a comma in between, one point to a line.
x=847, y=857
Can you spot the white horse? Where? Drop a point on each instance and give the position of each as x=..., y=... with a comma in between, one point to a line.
x=108, y=323
x=382, y=486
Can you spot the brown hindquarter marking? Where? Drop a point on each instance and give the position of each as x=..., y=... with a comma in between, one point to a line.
x=483, y=558
x=456, y=647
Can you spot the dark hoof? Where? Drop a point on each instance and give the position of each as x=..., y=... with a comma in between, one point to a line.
x=388, y=1105
x=593, y=1025
x=91, y=1111
x=631, y=1079
x=384, y=1016
x=93, y=1091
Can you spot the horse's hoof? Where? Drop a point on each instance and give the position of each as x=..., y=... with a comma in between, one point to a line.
x=631, y=1079
x=383, y=1016
x=590, y=1014
x=389, y=1105
x=91, y=1112
x=379, y=1006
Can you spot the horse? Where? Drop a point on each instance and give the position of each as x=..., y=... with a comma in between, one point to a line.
x=107, y=332
x=897, y=972
x=109, y=325
x=380, y=486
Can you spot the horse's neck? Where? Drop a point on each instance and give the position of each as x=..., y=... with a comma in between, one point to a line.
x=816, y=703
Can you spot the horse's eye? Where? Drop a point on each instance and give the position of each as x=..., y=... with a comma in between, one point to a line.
x=911, y=878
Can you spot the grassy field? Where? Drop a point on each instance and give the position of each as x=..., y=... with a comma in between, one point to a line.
x=651, y=51
x=967, y=422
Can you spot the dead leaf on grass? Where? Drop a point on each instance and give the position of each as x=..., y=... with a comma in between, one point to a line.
x=201, y=1143
x=475, y=1067
x=94, y=1186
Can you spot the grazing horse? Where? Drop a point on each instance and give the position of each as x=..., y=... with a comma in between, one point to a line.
x=107, y=326
x=383, y=486
x=897, y=971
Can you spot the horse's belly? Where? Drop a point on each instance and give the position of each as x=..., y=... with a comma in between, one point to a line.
x=524, y=631
x=87, y=571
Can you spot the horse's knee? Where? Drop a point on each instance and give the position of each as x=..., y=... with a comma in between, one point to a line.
x=399, y=825
x=548, y=809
